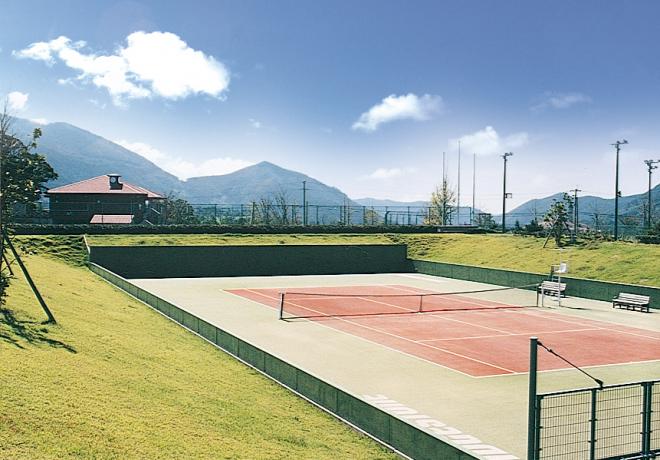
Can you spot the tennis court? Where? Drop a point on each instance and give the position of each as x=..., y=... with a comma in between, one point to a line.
x=461, y=364
x=475, y=336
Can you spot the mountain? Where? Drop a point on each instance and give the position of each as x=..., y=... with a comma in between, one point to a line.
x=263, y=180
x=76, y=154
x=590, y=207
x=379, y=202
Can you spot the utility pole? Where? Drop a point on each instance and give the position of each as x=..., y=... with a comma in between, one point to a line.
x=304, y=202
x=505, y=195
x=651, y=165
x=474, y=186
x=444, y=189
x=617, y=193
x=576, y=214
x=458, y=198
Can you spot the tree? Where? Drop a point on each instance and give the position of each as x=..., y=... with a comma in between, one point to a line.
x=516, y=227
x=178, y=211
x=533, y=227
x=371, y=217
x=557, y=218
x=485, y=220
x=24, y=173
x=23, y=177
x=441, y=207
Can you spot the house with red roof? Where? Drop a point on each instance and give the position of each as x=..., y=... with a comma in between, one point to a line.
x=103, y=200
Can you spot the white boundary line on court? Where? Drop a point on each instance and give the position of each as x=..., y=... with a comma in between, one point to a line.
x=513, y=310
x=404, y=339
x=319, y=323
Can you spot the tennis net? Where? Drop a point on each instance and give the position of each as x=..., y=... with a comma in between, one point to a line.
x=349, y=301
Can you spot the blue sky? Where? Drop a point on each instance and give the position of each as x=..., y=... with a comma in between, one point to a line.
x=363, y=95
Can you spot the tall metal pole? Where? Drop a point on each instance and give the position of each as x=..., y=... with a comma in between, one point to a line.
x=617, y=192
x=304, y=202
x=504, y=194
x=576, y=215
x=444, y=189
x=649, y=212
x=458, y=186
x=474, y=186
x=531, y=405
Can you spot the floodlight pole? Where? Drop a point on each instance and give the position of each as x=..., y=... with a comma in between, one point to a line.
x=504, y=194
x=304, y=202
x=617, y=145
x=576, y=215
x=474, y=186
x=651, y=166
x=458, y=198
x=444, y=189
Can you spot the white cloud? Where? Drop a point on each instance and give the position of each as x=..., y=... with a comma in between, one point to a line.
x=17, y=100
x=150, y=64
x=488, y=142
x=97, y=103
x=181, y=168
x=39, y=121
x=402, y=107
x=256, y=124
x=561, y=101
x=389, y=173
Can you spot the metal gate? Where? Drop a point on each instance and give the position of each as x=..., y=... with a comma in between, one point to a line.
x=611, y=422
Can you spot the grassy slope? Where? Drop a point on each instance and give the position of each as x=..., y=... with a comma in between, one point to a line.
x=610, y=261
x=116, y=380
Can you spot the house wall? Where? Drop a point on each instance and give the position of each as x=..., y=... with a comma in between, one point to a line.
x=79, y=208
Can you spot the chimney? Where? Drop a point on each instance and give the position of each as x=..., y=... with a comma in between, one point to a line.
x=115, y=184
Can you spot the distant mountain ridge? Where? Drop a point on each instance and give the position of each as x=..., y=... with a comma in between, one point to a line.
x=589, y=207
x=77, y=154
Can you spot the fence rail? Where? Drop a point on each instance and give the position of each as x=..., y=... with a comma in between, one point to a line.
x=285, y=214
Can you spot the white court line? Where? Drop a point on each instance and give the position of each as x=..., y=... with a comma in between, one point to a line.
x=579, y=323
x=554, y=315
x=429, y=313
x=526, y=334
x=335, y=330
x=405, y=339
x=422, y=277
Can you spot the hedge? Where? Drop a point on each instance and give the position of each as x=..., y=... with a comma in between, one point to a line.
x=80, y=229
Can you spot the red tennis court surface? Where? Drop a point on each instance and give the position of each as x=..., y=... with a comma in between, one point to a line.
x=473, y=336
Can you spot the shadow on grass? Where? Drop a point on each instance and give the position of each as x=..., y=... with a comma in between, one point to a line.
x=17, y=332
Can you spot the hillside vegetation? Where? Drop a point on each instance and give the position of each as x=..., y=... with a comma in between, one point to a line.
x=114, y=380
x=609, y=261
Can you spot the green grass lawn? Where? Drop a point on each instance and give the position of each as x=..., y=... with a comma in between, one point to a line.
x=114, y=379
x=609, y=261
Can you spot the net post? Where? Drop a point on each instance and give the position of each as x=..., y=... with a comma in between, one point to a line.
x=281, y=315
x=531, y=420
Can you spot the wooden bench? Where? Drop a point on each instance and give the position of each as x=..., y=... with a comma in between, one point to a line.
x=632, y=302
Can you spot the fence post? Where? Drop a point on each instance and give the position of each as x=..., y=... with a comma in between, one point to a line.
x=531, y=405
x=592, y=423
x=646, y=417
